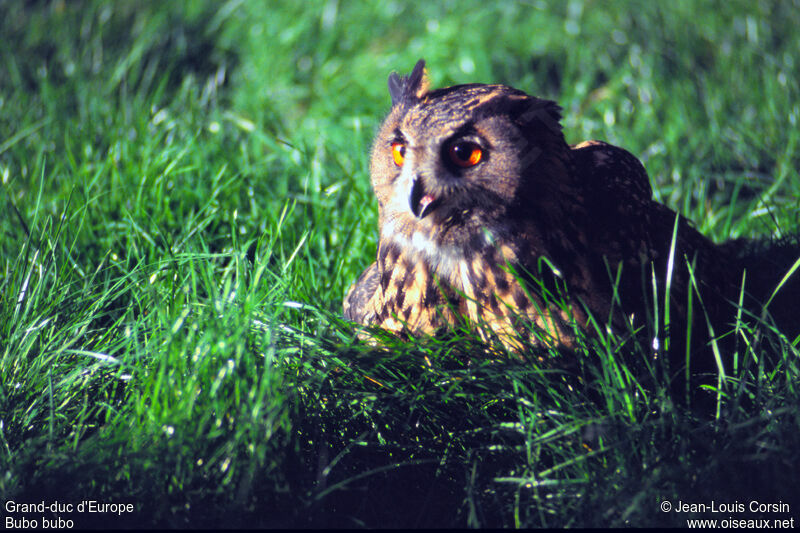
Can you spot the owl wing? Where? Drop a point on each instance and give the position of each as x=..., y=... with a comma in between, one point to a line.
x=619, y=201
x=629, y=227
x=613, y=170
x=621, y=189
x=358, y=302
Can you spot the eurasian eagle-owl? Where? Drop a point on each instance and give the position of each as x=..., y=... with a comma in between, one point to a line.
x=486, y=214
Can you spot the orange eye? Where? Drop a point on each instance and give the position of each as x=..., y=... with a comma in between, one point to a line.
x=398, y=153
x=465, y=154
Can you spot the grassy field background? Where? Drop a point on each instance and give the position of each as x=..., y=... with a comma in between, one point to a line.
x=185, y=199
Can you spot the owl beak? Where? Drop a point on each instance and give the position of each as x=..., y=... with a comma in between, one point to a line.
x=421, y=202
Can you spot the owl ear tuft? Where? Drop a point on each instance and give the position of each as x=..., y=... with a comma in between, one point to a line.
x=409, y=88
x=541, y=112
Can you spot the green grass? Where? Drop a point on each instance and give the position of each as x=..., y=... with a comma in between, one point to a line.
x=186, y=198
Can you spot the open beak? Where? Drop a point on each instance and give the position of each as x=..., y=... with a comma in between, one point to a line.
x=420, y=201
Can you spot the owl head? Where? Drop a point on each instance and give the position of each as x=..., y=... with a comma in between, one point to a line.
x=449, y=163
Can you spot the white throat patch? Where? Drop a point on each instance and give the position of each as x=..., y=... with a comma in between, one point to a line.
x=444, y=260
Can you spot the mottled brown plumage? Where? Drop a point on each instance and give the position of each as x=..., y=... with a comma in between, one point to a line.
x=487, y=214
